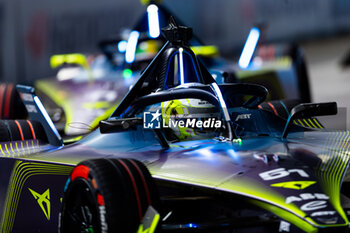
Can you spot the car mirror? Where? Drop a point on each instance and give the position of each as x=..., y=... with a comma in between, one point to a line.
x=309, y=110
x=118, y=125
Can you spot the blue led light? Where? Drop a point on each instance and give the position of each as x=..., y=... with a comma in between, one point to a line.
x=181, y=61
x=122, y=46
x=153, y=21
x=249, y=48
x=67, y=183
x=221, y=100
x=131, y=46
x=46, y=115
x=192, y=225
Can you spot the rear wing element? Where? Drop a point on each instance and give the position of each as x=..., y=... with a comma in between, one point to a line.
x=37, y=112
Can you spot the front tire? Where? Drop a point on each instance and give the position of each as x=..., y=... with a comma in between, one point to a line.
x=107, y=195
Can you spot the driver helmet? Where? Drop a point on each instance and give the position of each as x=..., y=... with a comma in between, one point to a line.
x=186, y=110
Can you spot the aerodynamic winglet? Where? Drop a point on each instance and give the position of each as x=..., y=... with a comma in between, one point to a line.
x=37, y=112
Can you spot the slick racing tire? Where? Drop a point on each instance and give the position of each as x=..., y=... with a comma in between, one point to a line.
x=107, y=195
x=19, y=130
x=11, y=106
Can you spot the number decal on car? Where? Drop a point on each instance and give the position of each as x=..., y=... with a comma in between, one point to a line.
x=281, y=172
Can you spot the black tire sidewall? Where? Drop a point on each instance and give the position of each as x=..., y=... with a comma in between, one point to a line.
x=115, y=183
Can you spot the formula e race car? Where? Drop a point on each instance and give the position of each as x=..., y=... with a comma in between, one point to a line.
x=180, y=153
x=87, y=90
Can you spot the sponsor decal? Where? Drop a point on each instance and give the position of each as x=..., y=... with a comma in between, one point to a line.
x=294, y=184
x=203, y=102
x=281, y=172
x=322, y=213
x=27, y=97
x=104, y=226
x=319, y=202
x=307, y=196
x=193, y=123
x=327, y=220
x=43, y=201
x=152, y=120
x=284, y=226
x=150, y=221
x=314, y=205
x=243, y=117
x=31, y=108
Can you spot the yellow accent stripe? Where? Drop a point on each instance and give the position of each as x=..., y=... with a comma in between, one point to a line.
x=24, y=152
x=307, y=124
x=33, y=147
x=28, y=147
x=2, y=150
x=284, y=214
x=153, y=226
x=312, y=124
x=318, y=123
x=301, y=123
x=20, y=174
x=13, y=152
x=8, y=152
x=71, y=140
x=332, y=171
x=17, y=148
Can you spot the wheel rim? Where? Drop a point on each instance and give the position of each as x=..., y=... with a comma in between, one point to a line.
x=80, y=209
